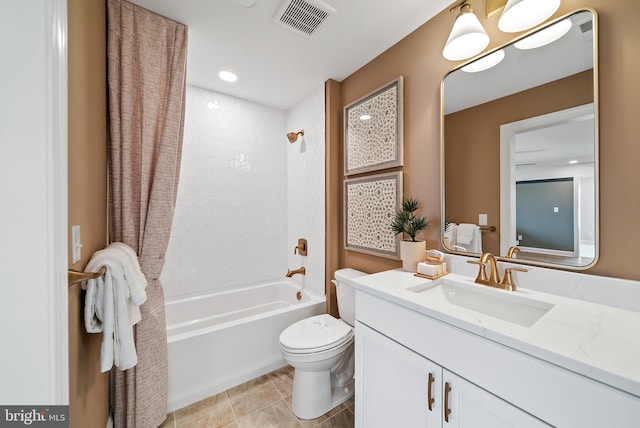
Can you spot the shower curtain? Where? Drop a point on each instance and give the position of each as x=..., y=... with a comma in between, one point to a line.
x=146, y=74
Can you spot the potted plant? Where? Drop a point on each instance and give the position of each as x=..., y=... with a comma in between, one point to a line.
x=408, y=223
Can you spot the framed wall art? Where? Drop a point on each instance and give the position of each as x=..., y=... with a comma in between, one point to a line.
x=373, y=130
x=370, y=203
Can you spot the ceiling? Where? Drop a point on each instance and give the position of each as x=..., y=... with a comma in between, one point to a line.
x=275, y=65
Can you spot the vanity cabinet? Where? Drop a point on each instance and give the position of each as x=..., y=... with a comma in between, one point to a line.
x=395, y=386
x=486, y=383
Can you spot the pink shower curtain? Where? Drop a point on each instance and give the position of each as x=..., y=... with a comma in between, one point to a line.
x=146, y=73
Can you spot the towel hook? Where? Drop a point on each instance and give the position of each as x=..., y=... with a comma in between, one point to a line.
x=76, y=277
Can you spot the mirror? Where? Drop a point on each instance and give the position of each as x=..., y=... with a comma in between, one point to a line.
x=520, y=149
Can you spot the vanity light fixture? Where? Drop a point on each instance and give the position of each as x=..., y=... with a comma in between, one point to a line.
x=485, y=63
x=546, y=36
x=365, y=117
x=293, y=136
x=467, y=37
x=520, y=15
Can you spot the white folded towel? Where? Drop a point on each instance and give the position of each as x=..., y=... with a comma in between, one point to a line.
x=135, y=279
x=112, y=305
x=450, y=235
x=465, y=233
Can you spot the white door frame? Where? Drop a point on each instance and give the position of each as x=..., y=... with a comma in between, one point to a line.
x=508, y=132
x=33, y=185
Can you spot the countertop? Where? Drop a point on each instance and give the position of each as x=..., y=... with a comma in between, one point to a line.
x=597, y=341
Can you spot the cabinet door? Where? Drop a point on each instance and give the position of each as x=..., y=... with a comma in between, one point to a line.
x=470, y=406
x=394, y=384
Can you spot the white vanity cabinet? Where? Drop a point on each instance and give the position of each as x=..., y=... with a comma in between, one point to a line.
x=396, y=387
x=394, y=384
x=485, y=382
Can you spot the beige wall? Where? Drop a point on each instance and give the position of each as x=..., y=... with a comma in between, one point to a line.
x=476, y=191
x=418, y=58
x=88, y=388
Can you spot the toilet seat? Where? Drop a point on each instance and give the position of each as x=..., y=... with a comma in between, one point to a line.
x=315, y=334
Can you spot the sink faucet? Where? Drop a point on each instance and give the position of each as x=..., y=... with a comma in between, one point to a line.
x=512, y=250
x=494, y=275
x=493, y=279
x=301, y=271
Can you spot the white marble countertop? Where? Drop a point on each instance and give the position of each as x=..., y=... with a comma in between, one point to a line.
x=597, y=341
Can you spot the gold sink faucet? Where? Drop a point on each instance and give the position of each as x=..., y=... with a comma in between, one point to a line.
x=493, y=279
x=512, y=250
x=494, y=275
x=301, y=271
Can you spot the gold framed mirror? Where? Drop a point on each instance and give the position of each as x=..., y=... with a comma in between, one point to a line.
x=519, y=148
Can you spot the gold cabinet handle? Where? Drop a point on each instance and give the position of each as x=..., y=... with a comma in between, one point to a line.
x=430, y=399
x=447, y=410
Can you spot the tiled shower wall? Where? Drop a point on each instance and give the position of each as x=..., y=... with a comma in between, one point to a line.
x=230, y=224
x=306, y=172
x=234, y=218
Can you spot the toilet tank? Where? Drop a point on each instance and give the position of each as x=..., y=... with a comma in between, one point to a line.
x=346, y=294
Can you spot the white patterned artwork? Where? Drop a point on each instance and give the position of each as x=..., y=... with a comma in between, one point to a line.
x=369, y=206
x=373, y=128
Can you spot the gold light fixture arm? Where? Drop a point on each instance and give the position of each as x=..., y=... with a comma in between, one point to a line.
x=459, y=5
x=493, y=7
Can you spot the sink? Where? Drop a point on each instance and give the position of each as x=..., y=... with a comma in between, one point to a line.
x=505, y=305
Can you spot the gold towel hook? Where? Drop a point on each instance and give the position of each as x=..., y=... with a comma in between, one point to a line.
x=76, y=276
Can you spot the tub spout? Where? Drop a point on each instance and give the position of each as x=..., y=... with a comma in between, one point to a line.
x=301, y=271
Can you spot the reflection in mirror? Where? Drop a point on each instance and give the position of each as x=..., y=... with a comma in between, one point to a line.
x=520, y=150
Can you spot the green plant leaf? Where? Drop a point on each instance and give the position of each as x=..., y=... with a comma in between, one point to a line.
x=405, y=221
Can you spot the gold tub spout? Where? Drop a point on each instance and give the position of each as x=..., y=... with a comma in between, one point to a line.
x=301, y=271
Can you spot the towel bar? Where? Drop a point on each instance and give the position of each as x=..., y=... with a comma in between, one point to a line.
x=76, y=277
x=488, y=228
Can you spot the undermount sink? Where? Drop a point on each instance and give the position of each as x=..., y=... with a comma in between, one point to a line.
x=505, y=305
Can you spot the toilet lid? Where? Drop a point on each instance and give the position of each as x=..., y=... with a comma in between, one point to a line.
x=319, y=332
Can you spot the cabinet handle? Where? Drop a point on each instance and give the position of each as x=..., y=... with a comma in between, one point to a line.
x=447, y=410
x=430, y=400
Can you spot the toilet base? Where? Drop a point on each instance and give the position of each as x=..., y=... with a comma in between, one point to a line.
x=313, y=395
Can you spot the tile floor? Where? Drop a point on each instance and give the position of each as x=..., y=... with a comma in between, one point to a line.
x=263, y=402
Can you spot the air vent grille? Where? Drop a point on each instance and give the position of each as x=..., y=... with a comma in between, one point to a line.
x=586, y=30
x=303, y=17
x=587, y=26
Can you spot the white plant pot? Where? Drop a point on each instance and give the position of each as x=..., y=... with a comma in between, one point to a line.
x=411, y=253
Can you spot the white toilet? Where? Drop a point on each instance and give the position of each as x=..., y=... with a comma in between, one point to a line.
x=320, y=349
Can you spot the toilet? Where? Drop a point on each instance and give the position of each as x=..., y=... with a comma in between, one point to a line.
x=320, y=349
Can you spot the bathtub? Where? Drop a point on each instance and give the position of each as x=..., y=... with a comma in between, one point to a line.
x=220, y=340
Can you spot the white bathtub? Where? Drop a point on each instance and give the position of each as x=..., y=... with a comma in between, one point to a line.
x=220, y=340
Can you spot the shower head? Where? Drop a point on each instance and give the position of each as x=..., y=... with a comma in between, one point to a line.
x=293, y=136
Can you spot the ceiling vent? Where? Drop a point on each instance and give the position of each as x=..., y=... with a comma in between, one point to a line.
x=303, y=16
x=587, y=30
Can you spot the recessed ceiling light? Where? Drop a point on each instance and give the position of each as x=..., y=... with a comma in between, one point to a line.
x=246, y=3
x=573, y=162
x=228, y=76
